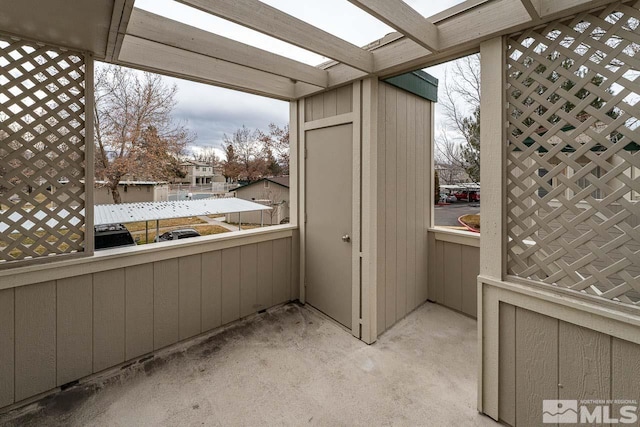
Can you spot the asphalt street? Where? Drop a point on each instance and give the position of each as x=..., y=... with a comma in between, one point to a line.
x=448, y=215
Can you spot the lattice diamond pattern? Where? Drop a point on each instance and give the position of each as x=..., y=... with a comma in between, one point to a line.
x=41, y=150
x=573, y=156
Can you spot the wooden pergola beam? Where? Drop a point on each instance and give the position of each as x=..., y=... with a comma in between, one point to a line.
x=399, y=15
x=268, y=20
x=533, y=8
x=119, y=20
x=168, y=60
x=554, y=9
x=482, y=22
x=149, y=26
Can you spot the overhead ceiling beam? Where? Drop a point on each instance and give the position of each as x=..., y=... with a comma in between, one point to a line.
x=554, y=8
x=159, y=58
x=455, y=10
x=499, y=17
x=399, y=15
x=149, y=26
x=268, y=20
x=119, y=20
x=533, y=8
x=480, y=23
x=491, y=19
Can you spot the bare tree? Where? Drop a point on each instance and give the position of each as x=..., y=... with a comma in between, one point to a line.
x=248, y=154
x=458, y=145
x=276, y=144
x=135, y=133
x=230, y=165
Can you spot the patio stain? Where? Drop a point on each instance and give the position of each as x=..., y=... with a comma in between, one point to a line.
x=287, y=366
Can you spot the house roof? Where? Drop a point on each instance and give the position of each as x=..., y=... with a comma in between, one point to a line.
x=194, y=163
x=280, y=180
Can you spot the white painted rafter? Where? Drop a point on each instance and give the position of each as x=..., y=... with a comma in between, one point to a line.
x=149, y=26
x=268, y=20
x=399, y=15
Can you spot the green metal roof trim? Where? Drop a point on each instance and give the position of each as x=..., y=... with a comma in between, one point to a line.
x=418, y=83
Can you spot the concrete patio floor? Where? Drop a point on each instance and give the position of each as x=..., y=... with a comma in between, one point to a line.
x=288, y=366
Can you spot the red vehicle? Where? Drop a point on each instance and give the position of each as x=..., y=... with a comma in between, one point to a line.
x=468, y=196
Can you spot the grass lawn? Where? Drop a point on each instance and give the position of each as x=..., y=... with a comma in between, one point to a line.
x=176, y=222
x=472, y=221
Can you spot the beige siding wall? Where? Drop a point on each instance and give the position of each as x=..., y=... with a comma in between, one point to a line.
x=63, y=330
x=454, y=265
x=276, y=193
x=134, y=193
x=328, y=104
x=404, y=137
x=542, y=357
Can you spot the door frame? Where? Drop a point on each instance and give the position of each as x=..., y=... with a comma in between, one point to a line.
x=363, y=116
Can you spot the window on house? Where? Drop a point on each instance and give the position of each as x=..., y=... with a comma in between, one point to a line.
x=266, y=184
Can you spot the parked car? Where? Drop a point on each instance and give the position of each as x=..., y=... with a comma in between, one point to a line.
x=451, y=198
x=182, y=233
x=112, y=236
x=469, y=196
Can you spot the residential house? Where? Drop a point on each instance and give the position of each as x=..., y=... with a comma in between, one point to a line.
x=198, y=172
x=272, y=192
x=132, y=191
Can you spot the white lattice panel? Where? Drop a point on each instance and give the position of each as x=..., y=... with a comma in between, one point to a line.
x=572, y=155
x=42, y=142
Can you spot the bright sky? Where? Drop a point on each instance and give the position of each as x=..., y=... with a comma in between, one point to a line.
x=211, y=111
